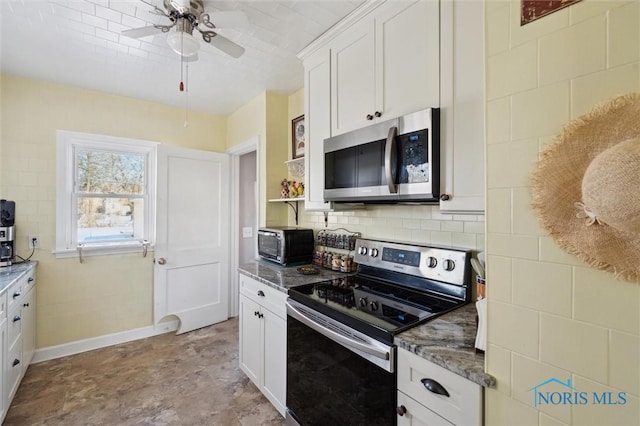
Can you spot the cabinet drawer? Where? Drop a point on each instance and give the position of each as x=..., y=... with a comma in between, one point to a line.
x=463, y=406
x=269, y=297
x=14, y=326
x=417, y=414
x=16, y=292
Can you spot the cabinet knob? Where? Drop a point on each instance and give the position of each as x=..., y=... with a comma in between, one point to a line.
x=369, y=117
x=261, y=293
x=30, y=280
x=445, y=197
x=162, y=261
x=17, y=294
x=16, y=318
x=435, y=387
x=378, y=114
x=16, y=362
x=401, y=410
x=260, y=315
x=256, y=313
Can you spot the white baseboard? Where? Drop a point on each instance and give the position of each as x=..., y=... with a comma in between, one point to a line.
x=71, y=348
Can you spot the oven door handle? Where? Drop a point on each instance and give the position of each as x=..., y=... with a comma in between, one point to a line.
x=336, y=337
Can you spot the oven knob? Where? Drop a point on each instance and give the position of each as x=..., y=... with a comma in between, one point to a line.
x=362, y=250
x=363, y=302
x=449, y=265
x=374, y=306
x=432, y=262
x=374, y=252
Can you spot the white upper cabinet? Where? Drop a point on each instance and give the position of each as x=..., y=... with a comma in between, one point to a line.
x=353, y=78
x=392, y=58
x=385, y=65
x=462, y=106
x=317, y=89
x=407, y=57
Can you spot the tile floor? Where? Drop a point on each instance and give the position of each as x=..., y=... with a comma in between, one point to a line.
x=191, y=379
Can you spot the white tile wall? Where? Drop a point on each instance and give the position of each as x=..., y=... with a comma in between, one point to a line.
x=420, y=224
x=550, y=315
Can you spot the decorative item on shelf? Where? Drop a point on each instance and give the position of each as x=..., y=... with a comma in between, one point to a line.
x=296, y=189
x=297, y=137
x=284, y=188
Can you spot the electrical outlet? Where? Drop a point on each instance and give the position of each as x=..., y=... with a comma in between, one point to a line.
x=247, y=232
x=34, y=241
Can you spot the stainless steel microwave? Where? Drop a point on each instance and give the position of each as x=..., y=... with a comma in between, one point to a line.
x=286, y=245
x=394, y=161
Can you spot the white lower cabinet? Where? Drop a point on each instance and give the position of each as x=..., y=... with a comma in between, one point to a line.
x=263, y=339
x=431, y=395
x=17, y=335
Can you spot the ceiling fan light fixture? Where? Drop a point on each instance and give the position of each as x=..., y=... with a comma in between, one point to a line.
x=183, y=43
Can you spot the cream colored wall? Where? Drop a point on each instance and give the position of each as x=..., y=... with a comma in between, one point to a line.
x=265, y=117
x=276, y=155
x=549, y=314
x=106, y=294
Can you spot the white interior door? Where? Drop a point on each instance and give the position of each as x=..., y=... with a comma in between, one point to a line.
x=191, y=272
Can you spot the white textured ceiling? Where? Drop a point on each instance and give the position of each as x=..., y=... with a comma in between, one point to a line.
x=78, y=43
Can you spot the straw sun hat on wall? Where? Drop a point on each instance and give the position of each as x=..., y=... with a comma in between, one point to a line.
x=586, y=188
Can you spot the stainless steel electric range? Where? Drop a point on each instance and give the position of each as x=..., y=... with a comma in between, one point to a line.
x=341, y=360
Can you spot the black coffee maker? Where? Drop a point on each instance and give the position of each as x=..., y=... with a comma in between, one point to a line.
x=7, y=231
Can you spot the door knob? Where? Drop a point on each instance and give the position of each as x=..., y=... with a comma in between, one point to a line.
x=162, y=261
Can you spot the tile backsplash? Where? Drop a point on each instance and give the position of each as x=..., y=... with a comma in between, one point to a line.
x=422, y=224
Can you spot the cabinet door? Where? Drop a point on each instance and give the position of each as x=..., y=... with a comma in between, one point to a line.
x=4, y=403
x=275, y=359
x=462, y=115
x=352, y=78
x=28, y=328
x=407, y=57
x=251, y=341
x=317, y=83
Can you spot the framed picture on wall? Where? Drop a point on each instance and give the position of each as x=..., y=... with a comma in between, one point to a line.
x=536, y=9
x=297, y=137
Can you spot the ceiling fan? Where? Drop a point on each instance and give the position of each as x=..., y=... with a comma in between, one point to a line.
x=185, y=16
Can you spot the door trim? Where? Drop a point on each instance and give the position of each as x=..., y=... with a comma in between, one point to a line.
x=252, y=144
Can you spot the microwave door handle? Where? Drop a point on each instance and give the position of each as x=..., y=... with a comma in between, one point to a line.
x=389, y=150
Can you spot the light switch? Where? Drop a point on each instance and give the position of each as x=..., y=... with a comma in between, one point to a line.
x=247, y=232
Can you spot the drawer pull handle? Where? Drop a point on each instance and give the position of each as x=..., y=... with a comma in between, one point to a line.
x=16, y=318
x=30, y=280
x=25, y=305
x=261, y=293
x=435, y=387
x=256, y=313
x=17, y=294
x=401, y=410
x=16, y=362
x=260, y=315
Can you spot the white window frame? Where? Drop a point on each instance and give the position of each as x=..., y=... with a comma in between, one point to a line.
x=66, y=220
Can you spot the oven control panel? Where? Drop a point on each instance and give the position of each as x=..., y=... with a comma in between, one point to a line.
x=444, y=264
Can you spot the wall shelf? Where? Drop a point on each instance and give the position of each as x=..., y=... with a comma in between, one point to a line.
x=292, y=202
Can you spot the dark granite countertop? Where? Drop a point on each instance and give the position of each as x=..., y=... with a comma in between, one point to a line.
x=10, y=274
x=284, y=277
x=449, y=341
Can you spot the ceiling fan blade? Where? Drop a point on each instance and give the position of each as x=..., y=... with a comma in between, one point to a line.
x=228, y=19
x=142, y=31
x=227, y=46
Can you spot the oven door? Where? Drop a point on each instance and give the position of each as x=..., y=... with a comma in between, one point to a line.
x=270, y=245
x=336, y=375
